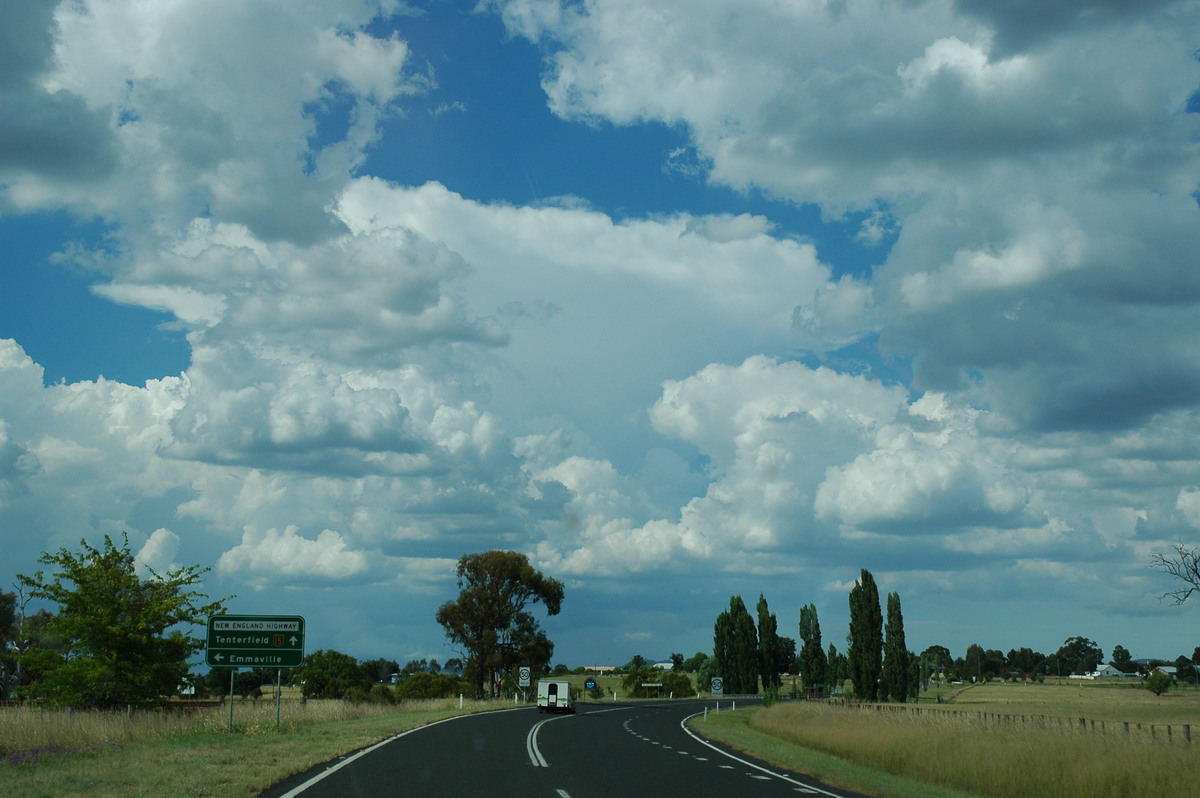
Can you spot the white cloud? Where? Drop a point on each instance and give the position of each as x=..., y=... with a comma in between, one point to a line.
x=159, y=550
x=385, y=377
x=271, y=555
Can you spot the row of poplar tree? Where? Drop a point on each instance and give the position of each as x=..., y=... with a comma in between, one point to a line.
x=877, y=660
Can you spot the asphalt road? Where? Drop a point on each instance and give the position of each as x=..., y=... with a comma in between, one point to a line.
x=602, y=751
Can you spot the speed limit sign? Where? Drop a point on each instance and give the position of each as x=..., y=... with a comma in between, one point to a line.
x=523, y=677
x=718, y=686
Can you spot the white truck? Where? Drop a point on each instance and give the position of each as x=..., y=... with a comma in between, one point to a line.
x=554, y=695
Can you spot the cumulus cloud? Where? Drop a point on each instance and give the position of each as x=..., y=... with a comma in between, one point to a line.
x=276, y=554
x=46, y=132
x=384, y=377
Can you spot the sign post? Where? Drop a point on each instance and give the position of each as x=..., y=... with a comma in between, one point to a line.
x=254, y=641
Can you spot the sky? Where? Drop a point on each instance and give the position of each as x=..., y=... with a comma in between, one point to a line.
x=684, y=299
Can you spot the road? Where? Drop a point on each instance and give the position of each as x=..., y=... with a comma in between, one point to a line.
x=602, y=751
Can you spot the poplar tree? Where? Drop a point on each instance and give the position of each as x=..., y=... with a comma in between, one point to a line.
x=895, y=653
x=865, y=649
x=813, y=663
x=769, y=645
x=735, y=648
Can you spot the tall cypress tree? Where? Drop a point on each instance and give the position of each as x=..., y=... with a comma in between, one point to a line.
x=769, y=645
x=813, y=664
x=895, y=653
x=865, y=651
x=735, y=648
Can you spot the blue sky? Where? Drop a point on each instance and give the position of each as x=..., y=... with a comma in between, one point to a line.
x=682, y=299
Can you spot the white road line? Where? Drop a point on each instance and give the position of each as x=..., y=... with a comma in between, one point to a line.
x=300, y=788
x=780, y=776
x=531, y=745
x=563, y=794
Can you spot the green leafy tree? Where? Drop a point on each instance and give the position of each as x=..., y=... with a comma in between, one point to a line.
x=381, y=670
x=1027, y=662
x=117, y=639
x=936, y=663
x=972, y=666
x=331, y=674
x=865, y=641
x=1076, y=655
x=8, y=644
x=1184, y=670
x=895, y=653
x=1122, y=660
x=677, y=661
x=837, y=668
x=813, y=662
x=770, y=648
x=489, y=620
x=1158, y=682
x=694, y=663
x=735, y=648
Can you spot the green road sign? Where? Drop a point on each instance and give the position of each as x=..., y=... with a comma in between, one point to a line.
x=255, y=641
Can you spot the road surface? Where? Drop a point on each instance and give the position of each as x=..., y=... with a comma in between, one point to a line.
x=603, y=751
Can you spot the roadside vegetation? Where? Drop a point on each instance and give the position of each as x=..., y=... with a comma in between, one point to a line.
x=117, y=754
x=1007, y=741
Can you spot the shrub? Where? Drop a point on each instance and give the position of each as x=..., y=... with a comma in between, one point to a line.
x=1158, y=682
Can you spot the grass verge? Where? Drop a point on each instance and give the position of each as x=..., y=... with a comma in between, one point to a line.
x=207, y=760
x=957, y=752
x=733, y=728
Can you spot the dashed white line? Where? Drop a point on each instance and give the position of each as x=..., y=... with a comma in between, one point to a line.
x=769, y=774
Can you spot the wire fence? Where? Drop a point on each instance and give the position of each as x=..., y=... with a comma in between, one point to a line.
x=1159, y=732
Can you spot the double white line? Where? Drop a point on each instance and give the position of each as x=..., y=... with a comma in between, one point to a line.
x=531, y=745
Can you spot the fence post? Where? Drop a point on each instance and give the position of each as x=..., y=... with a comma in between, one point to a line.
x=1187, y=732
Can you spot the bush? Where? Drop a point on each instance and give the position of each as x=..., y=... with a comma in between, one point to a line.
x=1158, y=682
x=382, y=694
x=431, y=685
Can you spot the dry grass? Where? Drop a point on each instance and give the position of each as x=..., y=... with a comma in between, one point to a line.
x=103, y=755
x=28, y=730
x=966, y=752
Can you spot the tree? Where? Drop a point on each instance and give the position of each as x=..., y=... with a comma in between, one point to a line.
x=1158, y=682
x=8, y=644
x=836, y=668
x=1122, y=660
x=1027, y=662
x=1185, y=671
x=381, y=670
x=118, y=639
x=865, y=653
x=489, y=618
x=936, y=662
x=694, y=663
x=331, y=674
x=769, y=647
x=973, y=662
x=1184, y=565
x=813, y=662
x=677, y=661
x=735, y=648
x=1076, y=655
x=895, y=653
